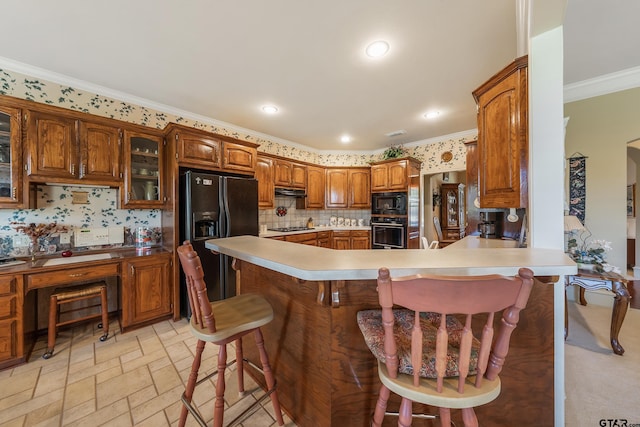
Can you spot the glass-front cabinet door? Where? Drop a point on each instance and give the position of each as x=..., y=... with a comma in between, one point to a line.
x=143, y=171
x=10, y=158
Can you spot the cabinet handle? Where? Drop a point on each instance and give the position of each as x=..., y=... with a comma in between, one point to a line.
x=77, y=274
x=73, y=169
x=14, y=192
x=82, y=169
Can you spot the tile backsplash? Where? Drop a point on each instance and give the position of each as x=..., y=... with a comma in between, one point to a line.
x=55, y=204
x=299, y=217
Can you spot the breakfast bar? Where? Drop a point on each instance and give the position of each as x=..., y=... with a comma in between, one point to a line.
x=325, y=372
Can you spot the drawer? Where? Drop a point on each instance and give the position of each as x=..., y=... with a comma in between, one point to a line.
x=360, y=233
x=323, y=234
x=341, y=234
x=7, y=285
x=7, y=307
x=301, y=238
x=71, y=275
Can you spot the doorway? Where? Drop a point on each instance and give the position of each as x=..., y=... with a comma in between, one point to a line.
x=431, y=198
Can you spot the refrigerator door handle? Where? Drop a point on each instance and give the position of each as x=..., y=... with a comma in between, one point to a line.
x=225, y=229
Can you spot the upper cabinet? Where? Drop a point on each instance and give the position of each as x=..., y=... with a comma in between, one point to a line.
x=240, y=158
x=64, y=149
x=393, y=174
x=198, y=150
x=289, y=174
x=348, y=188
x=503, y=138
x=205, y=150
x=10, y=157
x=264, y=175
x=315, y=187
x=144, y=172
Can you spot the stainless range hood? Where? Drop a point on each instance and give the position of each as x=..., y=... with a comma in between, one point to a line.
x=290, y=192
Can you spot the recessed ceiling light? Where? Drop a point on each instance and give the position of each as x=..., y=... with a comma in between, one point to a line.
x=345, y=139
x=270, y=109
x=377, y=49
x=431, y=114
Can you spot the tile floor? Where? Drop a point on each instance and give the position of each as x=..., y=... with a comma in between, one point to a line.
x=131, y=379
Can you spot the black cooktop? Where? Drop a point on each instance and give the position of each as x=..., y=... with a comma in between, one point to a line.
x=285, y=229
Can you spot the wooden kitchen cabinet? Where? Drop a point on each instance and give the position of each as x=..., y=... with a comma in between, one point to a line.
x=11, y=324
x=289, y=174
x=144, y=171
x=304, y=238
x=503, y=138
x=324, y=239
x=360, y=239
x=393, y=174
x=351, y=239
x=100, y=148
x=10, y=157
x=66, y=150
x=348, y=188
x=359, y=188
x=341, y=240
x=146, y=292
x=239, y=158
x=337, y=191
x=264, y=175
x=196, y=149
x=315, y=187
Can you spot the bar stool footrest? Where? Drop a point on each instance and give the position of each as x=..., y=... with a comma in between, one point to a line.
x=244, y=414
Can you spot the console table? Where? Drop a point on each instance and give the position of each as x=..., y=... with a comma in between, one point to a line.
x=592, y=280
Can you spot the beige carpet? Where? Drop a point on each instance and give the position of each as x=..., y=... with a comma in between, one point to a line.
x=600, y=384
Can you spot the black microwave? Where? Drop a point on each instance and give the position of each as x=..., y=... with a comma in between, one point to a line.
x=394, y=203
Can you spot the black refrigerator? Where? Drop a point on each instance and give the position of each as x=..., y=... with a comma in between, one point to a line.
x=215, y=206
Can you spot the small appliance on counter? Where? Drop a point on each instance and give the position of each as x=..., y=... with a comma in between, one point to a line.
x=491, y=225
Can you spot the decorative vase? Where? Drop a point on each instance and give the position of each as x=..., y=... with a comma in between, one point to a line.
x=33, y=249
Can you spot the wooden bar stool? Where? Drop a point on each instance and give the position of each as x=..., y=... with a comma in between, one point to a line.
x=71, y=294
x=223, y=322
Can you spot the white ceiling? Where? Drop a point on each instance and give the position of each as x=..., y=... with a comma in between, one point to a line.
x=222, y=60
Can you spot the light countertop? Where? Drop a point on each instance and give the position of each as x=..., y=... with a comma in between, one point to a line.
x=470, y=256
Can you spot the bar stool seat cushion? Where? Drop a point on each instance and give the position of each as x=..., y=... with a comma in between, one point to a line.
x=370, y=323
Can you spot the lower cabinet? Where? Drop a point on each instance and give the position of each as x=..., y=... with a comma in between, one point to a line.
x=341, y=240
x=11, y=334
x=360, y=239
x=353, y=239
x=146, y=294
x=337, y=239
x=324, y=239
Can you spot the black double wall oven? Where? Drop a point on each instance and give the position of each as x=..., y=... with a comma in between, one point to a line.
x=389, y=220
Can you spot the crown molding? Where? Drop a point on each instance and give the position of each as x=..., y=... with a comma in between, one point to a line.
x=602, y=85
x=64, y=80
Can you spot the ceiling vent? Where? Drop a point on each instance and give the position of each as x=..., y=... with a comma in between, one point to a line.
x=396, y=133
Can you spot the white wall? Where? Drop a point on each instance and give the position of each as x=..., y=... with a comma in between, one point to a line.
x=600, y=128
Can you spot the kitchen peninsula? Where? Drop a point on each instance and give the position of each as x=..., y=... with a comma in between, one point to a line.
x=326, y=374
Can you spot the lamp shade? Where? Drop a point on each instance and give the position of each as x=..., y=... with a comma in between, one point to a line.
x=572, y=223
